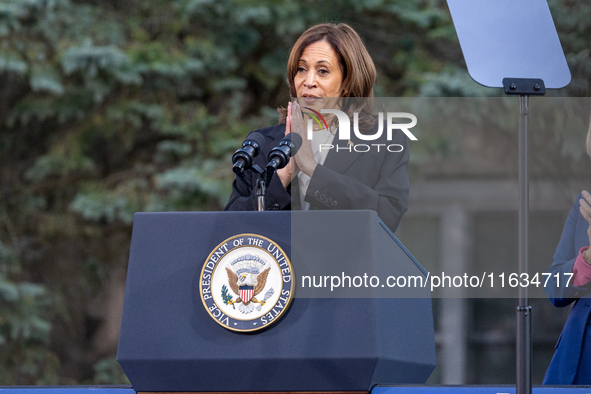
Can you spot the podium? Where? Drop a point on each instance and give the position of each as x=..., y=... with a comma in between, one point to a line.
x=170, y=343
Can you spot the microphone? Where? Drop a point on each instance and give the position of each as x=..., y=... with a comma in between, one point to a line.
x=279, y=156
x=251, y=147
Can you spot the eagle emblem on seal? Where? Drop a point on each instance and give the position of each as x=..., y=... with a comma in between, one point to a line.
x=247, y=277
x=246, y=283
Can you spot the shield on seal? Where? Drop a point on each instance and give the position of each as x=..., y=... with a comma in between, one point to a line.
x=246, y=293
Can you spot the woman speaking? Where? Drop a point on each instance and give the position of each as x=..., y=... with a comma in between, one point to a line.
x=329, y=68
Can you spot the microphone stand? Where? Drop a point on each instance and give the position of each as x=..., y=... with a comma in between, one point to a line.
x=261, y=187
x=279, y=158
x=261, y=192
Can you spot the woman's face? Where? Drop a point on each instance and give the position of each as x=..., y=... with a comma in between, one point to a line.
x=318, y=76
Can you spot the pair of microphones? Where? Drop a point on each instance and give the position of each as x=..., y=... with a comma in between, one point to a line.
x=278, y=158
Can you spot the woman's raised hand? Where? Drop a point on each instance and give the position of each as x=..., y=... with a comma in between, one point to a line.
x=305, y=156
x=287, y=173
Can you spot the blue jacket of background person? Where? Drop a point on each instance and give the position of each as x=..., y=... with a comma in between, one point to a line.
x=567, y=357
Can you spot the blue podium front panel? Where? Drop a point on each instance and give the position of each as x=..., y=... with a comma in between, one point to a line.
x=169, y=342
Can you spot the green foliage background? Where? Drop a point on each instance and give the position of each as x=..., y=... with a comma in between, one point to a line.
x=108, y=107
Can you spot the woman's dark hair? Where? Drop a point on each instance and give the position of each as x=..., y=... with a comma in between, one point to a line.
x=358, y=69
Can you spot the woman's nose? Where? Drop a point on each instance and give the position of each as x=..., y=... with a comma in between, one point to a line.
x=310, y=81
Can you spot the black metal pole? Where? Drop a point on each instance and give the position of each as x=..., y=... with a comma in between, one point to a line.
x=523, y=347
x=261, y=193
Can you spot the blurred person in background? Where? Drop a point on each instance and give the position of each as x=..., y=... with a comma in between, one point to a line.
x=571, y=363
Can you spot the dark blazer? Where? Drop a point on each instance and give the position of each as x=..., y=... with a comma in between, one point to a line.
x=347, y=180
x=564, y=365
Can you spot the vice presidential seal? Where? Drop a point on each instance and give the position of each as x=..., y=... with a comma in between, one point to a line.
x=246, y=283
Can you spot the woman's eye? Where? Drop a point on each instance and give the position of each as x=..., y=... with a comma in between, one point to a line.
x=323, y=71
x=300, y=69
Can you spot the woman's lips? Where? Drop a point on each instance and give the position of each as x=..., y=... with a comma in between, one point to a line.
x=311, y=100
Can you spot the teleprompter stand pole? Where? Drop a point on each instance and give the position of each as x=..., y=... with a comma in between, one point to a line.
x=524, y=88
x=524, y=344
